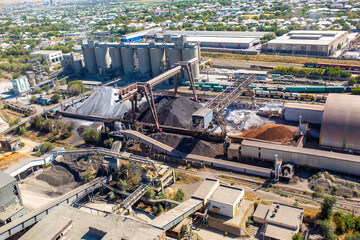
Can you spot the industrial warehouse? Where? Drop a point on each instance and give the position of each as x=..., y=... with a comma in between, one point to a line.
x=318, y=43
x=160, y=143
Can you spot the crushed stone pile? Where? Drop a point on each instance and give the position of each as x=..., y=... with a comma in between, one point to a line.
x=189, y=145
x=276, y=133
x=56, y=176
x=175, y=112
x=65, y=172
x=103, y=103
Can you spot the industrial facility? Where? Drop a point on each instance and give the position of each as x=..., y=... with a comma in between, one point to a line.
x=145, y=59
x=317, y=43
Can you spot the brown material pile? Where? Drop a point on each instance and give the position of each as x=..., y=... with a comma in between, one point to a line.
x=274, y=133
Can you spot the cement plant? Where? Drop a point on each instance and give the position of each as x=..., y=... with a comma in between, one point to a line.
x=139, y=120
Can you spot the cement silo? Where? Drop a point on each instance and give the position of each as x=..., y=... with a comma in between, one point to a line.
x=89, y=59
x=144, y=60
x=174, y=57
x=115, y=55
x=102, y=57
x=157, y=57
x=127, y=55
x=188, y=54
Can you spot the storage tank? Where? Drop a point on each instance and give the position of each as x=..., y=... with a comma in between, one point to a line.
x=157, y=58
x=89, y=59
x=188, y=54
x=127, y=55
x=144, y=60
x=174, y=57
x=102, y=57
x=115, y=55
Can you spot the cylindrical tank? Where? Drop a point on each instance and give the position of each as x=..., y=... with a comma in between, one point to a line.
x=115, y=55
x=174, y=57
x=144, y=60
x=188, y=54
x=89, y=59
x=157, y=57
x=127, y=55
x=102, y=57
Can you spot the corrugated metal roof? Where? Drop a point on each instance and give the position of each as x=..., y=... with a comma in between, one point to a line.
x=340, y=126
x=5, y=179
x=311, y=107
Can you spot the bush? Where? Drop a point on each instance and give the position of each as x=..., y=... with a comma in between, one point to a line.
x=87, y=177
x=22, y=144
x=37, y=122
x=65, y=135
x=327, y=207
x=47, y=126
x=347, y=195
x=179, y=195
x=45, y=147
x=250, y=221
x=355, y=91
x=91, y=136
x=33, y=99
x=150, y=193
x=108, y=142
x=75, y=88
x=355, y=236
x=38, y=91
x=14, y=122
x=297, y=236
x=318, y=192
x=55, y=98
x=121, y=184
x=327, y=228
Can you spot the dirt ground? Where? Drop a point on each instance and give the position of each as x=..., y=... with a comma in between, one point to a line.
x=36, y=193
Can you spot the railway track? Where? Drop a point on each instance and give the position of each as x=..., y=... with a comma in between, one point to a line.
x=341, y=204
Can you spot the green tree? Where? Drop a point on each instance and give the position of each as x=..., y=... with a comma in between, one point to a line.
x=37, y=122
x=91, y=136
x=355, y=236
x=14, y=122
x=87, y=177
x=355, y=91
x=55, y=98
x=16, y=75
x=327, y=207
x=179, y=195
x=339, y=46
x=38, y=91
x=297, y=236
x=47, y=126
x=351, y=81
x=108, y=142
x=327, y=228
x=33, y=99
x=45, y=147
x=121, y=185
x=75, y=88
x=150, y=193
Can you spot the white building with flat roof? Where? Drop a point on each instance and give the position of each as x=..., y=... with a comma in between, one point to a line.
x=49, y=55
x=318, y=43
x=226, y=200
x=20, y=85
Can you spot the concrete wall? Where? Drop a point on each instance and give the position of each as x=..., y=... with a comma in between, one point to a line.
x=293, y=114
x=218, y=225
x=320, y=160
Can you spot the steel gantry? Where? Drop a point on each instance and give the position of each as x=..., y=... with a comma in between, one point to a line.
x=136, y=91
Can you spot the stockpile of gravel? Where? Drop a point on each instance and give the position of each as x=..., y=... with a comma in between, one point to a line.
x=175, y=112
x=56, y=176
x=103, y=103
x=191, y=145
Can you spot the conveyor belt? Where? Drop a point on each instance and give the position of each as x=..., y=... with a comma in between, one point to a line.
x=170, y=151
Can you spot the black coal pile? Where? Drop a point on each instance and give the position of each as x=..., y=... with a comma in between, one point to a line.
x=188, y=144
x=175, y=112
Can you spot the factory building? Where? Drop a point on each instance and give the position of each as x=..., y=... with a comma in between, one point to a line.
x=214, y=39
x=317, y=43
x=144, y=59
x=229, y=205
x=20, y=85
x=307, y=112
x=280, y=221
x=340, y=127
x=73, y=62
x=10, y=199
x=48, y=55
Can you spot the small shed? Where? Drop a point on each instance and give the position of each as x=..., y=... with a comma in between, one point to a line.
x=44, y=99
x=226, y=200
x=202, y=116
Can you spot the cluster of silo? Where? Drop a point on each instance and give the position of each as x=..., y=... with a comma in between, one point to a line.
x=148, y=59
